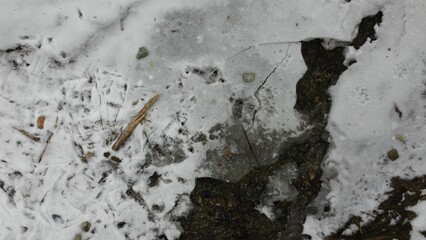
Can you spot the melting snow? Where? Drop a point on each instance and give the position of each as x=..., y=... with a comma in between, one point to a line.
x=75, y=63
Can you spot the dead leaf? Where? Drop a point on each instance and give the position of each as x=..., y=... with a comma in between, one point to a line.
x=40, y=122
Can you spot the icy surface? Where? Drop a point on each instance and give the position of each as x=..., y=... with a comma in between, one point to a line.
x=279, y=188
x=75, y=63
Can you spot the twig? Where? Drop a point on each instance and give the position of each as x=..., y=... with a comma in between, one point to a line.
x=133, y=123
x=28, y=135
x=45, y=146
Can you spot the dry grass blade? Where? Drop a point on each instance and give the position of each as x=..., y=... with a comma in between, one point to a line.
x=133, y=123
x=50, y=134
x=28, y=135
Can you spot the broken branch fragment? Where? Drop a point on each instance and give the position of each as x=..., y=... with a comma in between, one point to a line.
x=50, y=134
x=28, y=135
x=133, y=123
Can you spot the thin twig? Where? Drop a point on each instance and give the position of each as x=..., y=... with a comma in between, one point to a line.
x=45, y=146
x=28, y=135
x=133, y=123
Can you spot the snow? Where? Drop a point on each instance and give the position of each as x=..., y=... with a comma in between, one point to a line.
x=78, y=68
x=419, y=223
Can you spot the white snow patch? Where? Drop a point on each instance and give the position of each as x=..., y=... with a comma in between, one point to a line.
x=419, y=223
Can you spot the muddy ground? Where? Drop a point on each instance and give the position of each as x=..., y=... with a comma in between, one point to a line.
x=225, y=210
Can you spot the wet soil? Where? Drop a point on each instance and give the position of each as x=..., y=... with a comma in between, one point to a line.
x=226, y=210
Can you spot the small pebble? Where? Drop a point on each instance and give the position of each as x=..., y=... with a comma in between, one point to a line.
x=249, y=77
x=85, y=226
x=142, y=53
x=393, y=154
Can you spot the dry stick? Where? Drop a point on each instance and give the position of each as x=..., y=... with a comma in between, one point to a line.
x=133, y=123
x=28, y=135
x=47, y=142
x=45, y=146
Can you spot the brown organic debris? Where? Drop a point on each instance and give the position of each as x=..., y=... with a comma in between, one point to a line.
x=28, y=135
x=227, y=152
x=116, y=159
x=89, y=155
x=133, y=123
x=40, y=122
x=50, y=134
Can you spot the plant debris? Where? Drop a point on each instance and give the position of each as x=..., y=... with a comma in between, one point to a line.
x=40, y=122
x=133, y=123
x=28, y=135
x=50, y=134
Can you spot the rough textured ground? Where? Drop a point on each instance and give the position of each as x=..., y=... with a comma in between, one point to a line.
x=277, y=119
x=228, y=210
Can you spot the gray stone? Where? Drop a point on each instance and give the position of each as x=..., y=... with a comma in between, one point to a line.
x=249, y=77
x=393, y=154
x=85, y=226
x=142, y=53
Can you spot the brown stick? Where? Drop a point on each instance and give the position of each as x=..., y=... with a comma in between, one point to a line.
x=50, y=134
x=28, y=135
x=133, y=123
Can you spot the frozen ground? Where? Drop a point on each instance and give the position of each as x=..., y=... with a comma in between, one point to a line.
x=75, y=64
